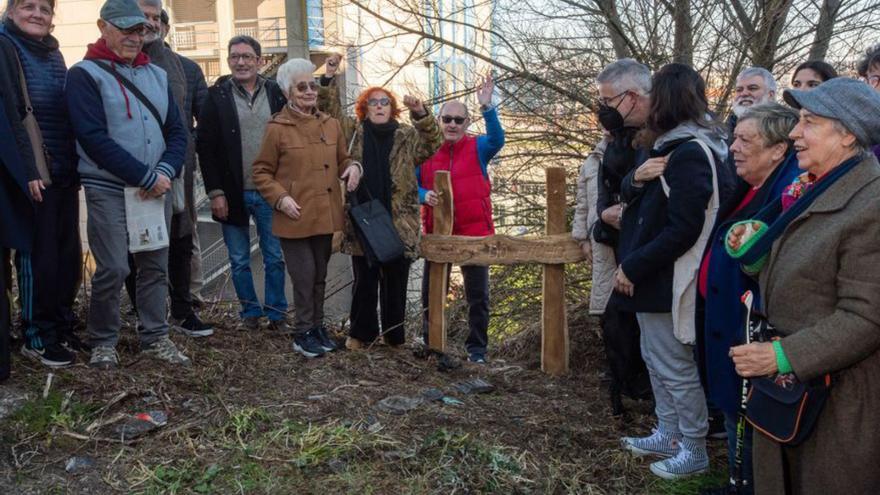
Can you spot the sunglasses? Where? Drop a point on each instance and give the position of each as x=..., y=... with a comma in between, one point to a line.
x=140, y=29
x=448, y=118
x=303, y=86
x=374, y=102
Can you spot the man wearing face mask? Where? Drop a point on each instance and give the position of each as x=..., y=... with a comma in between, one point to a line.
x=466, y=157
x=624, y=86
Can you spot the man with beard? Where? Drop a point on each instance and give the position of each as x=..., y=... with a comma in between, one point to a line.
x=624, y=87
x=754, y=85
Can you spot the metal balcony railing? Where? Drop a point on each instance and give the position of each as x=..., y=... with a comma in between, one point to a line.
x=185, y=38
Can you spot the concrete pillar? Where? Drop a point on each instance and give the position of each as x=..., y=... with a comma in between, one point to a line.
x=297, y=33
x=225, y=31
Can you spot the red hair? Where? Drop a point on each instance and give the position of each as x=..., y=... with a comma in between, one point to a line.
x=360, y=107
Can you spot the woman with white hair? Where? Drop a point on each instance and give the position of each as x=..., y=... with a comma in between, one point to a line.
x=298, y=169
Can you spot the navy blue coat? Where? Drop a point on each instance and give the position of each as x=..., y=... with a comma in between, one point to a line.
x=656, y=230
x=723, y=323
x=16, y=209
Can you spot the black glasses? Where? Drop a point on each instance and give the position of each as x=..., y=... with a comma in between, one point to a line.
x=247, y=57
x=140, y=30
x=303, y=86
x=449, y=118
x=374, y=102
x=607, y=101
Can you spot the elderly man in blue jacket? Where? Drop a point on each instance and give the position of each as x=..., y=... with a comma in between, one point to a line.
x=129, y=134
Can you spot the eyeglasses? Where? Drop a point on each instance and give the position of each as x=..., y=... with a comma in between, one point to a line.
x=246, y=57
x=873, y=81
x=140, y=30
x=374, y=102
x=607, y=101
x=303, y=86
x=449, y=118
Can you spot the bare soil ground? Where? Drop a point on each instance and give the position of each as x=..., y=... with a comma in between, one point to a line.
x=253, y=417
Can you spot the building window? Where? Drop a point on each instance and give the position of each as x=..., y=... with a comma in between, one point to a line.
x=194, y=11
x=315, y=16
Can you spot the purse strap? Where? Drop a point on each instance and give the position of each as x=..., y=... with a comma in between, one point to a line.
x=135, y=91
x=28, y=108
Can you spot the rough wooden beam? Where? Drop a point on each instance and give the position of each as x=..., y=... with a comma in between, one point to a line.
x=554, y=334
x=439, y=272
x=501, y=249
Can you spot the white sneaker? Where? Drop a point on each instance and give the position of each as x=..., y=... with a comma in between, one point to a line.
x=691, y=459
x=661, y=442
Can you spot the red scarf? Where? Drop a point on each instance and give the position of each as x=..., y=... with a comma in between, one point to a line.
x=100, y=51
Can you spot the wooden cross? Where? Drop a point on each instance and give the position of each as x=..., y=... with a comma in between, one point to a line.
x=553, y=250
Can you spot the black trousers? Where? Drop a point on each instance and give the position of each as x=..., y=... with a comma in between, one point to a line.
x=476, y=291
x=385, y=285
x=49, y=275
x=5, y=323
x=621, y=336
x=180, y=253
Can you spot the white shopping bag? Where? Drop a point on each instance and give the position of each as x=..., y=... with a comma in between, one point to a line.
x=147, y=228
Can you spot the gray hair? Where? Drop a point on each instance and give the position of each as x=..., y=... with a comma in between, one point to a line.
x=774, y=122
x=292, y=70
x=626, y=74
x=858, y=146
x=765, y=74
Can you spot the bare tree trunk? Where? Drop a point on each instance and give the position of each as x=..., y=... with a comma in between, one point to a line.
x=608, y=9
x=683, y=49
x=824, y=29
x=774, y=16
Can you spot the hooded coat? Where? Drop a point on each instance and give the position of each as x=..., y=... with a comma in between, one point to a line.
x=657, y=229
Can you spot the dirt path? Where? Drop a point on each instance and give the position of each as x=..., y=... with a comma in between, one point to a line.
x=252, y=417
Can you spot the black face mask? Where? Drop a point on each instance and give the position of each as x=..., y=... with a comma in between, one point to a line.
x=610, y=118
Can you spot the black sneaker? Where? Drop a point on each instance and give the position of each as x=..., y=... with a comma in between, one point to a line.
x=52, y=355
x=280, y=327
x=308, y=344
x=194, y=327
x=250, y=324
x=477, y=357
x=327, y=343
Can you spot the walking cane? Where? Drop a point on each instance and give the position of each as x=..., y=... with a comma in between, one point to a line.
x=747, y=300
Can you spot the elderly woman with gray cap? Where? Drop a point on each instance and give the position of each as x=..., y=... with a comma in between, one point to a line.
x=820, y=288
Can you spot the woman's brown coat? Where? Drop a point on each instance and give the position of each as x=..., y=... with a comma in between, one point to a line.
x=303, y=157
x=821, y=287
x=412, y=145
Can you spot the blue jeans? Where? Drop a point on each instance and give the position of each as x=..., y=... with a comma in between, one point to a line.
x=730, y=425
x=238, y=243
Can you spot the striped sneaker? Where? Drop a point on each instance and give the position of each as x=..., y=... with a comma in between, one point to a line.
x=661, y=442
x=691, y=459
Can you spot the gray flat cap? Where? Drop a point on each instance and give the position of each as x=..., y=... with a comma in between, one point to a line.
x=122, y=13
x=855, y=104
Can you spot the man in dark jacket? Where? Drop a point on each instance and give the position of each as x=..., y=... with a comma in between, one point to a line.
x=180, y=251
x=624, y=86
x=229, y=136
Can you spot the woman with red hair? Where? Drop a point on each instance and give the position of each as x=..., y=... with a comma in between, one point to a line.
x=389, y=151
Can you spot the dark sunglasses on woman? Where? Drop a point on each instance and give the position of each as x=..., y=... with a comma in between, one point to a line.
x=303, y=86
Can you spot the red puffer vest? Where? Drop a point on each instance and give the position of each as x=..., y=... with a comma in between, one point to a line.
x=470, y=188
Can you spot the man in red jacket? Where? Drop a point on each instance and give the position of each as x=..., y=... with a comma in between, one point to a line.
x=467, y=158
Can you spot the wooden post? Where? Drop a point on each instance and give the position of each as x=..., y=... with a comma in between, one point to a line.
x=439, y=272
x=554, y=330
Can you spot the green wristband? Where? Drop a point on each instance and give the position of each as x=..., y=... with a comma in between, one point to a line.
x=750, y=241
x=781, y=361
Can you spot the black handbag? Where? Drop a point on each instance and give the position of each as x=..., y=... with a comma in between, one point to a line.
x=781, y=406
x=375, y=230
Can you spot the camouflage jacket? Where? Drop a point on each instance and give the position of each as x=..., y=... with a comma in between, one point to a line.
x=413, y=144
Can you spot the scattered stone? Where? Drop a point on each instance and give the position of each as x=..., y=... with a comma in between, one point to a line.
x=11, y=401
x=79, y=464
x=141, y=423
x=452, y=401
x=399, y=404
x=432, y=394
x=337, y=465
x=474, y=386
